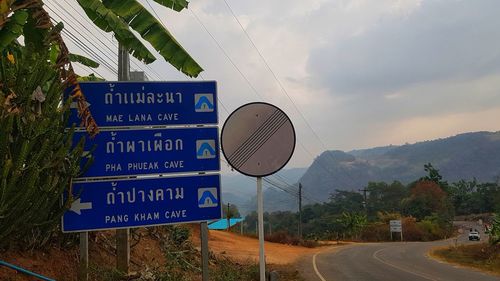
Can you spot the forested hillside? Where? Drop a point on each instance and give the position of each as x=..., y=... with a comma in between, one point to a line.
x=466, y=156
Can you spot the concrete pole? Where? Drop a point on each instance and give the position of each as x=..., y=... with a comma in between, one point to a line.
x=204, y=250
x=83, y=272
x=123, y=235
x=260, y=210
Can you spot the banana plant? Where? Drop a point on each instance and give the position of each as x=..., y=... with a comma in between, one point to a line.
x=37, y=157
x=117, y=16
x=120, y=16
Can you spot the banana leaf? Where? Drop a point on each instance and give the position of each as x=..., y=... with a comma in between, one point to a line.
x=108, y=21
x=13, y=28
x=83, y=60
x=176, y=5
x=139, y=19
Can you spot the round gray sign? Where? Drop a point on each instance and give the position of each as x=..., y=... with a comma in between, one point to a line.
x=258, y=139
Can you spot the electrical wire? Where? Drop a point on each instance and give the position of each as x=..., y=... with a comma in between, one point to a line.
x=114, y=52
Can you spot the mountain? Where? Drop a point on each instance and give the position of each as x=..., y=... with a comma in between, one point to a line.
x=241, y=190
x=465, y=156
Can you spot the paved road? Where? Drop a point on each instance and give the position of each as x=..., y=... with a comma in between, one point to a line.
x=392, y=261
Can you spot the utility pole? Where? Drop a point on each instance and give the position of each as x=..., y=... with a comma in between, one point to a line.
x=123, y=235
x=300, y=210
x=227, y=216
x=364, y=190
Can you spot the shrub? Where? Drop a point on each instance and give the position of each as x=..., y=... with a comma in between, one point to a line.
x=375, y=232
x=36, y=159
x=284, y=237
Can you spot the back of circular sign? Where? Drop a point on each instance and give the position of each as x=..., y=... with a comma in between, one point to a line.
x=258, y=139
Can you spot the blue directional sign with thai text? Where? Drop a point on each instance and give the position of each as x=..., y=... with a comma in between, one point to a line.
x=152, y=151
x=143, y=202
x=115, y=104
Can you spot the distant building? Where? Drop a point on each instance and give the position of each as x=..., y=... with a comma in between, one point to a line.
x=138, y=76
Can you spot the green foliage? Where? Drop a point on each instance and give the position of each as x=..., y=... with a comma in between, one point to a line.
x=427, y=210
x=383, y=197
x=427, y=198
x=228, y=270
x=108, y=21
x=183, y=260
x=83, y=60
x=90, y=77
x=98, y=272
x=471, y=197
x=495, y=230
x=233, y=211
x=433, y=175
x=119, y=16
x=36, y=159
x=176, y=5
x=13, y=28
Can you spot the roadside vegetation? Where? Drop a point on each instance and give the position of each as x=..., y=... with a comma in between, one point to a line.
x=484, y=256
x=481, y=256
x=426, y=207
x=37, y=156
x=38, y=159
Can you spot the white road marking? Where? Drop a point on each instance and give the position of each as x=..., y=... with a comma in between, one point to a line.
x=316, y=268
x=400, y=268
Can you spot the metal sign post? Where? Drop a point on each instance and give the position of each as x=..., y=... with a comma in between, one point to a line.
x=136, y=138
x=122, y=235
x=83, y=271
x=258, y=139
x=260, y=214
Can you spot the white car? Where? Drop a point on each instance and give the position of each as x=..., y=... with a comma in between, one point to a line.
x=474, y=235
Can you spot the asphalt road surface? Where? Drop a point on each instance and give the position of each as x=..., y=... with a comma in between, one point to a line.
x=406, y=261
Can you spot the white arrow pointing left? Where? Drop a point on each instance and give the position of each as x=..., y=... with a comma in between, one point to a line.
x=78, y=206
x=75, y=104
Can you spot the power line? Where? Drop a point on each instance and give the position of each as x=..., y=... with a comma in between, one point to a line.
x=282, y=87
x=84, y=47
x=241, y=73
x=106, y=46
x=226, y=54
x=274, y=75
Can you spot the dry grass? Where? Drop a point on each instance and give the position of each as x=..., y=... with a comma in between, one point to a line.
x=480, y=256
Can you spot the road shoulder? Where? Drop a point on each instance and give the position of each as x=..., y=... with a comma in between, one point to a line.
x=434, y=254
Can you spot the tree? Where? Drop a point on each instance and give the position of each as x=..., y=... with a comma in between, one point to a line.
x=233, y=212
x=434, y=176
x=37, y=161
x=427, y=198
x=351, y=224
x=495, y=230
x=345, y=201
x=120, y=16
x=385, y=197
x=117, y=16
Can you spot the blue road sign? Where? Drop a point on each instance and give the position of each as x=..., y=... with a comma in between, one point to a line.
x=152, y=151
x=143, y=202
x=149, y=103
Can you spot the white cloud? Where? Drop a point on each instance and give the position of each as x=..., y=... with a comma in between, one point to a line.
x=362, y=72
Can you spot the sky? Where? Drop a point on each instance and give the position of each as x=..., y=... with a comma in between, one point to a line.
x=349, y=74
